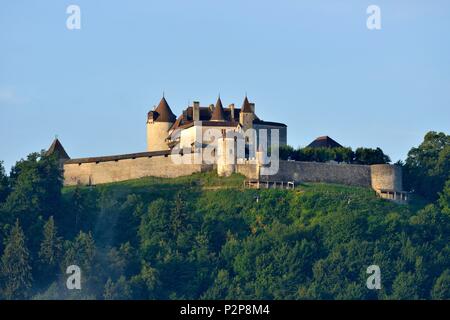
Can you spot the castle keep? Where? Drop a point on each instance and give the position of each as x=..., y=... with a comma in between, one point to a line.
x=178, y=146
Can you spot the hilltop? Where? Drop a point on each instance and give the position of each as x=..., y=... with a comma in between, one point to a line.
x=205, y=236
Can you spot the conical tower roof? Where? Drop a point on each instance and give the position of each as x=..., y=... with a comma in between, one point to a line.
x=56, y=147
x=218, y=113
x=246, y=107
x=164, y=113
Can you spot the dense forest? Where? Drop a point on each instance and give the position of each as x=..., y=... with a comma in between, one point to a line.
x=204, y=237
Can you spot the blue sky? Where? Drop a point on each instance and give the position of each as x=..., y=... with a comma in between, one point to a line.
x=310, y=64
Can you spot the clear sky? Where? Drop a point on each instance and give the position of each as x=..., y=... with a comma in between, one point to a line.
x=313, y=65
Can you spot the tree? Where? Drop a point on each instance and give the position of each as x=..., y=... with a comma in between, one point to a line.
x=444, y=199
x=153, y=230
x=145, y=283
x=286, y=153
x=220, y=288
x=36, y=183
x=4, y=183
x=405, y=287
x=370, y=156
x=427, y=167
x=15, y=267
x=51, y=245
x=81, y=252
x=119, y=290
x=122, y=261
x=179, y=214
x=441, y=289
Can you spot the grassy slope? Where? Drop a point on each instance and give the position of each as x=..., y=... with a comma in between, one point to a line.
x=209, y=186
x=334, y=218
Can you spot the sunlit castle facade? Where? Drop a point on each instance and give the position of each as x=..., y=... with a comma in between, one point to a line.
x=199, y=126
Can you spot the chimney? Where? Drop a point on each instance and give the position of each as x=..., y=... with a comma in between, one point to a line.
x=196, y=111
x=252, y=106
x=231, y=107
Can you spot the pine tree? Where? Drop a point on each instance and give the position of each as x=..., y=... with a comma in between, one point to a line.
x=441, y=288
x=81, y=252
x=119, y=290
x=4, y=183
x=179, y=214
x=51, y=245
x=15, y=267
x=109, y=292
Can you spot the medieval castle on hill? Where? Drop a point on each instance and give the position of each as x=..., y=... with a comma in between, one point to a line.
x=235, y=140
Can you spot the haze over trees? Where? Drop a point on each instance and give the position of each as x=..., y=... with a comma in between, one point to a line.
x=203, y=237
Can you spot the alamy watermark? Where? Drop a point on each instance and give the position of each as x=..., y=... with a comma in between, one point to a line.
x=73, y=21
x=74, y=280
x=225, y=147
x=374, y=280
x=374, y=19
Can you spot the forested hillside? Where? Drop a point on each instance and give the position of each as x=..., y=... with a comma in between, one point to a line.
x=205, y=237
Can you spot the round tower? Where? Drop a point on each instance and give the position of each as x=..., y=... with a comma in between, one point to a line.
x=226, y=156
x=159, y=121
x=386, y=177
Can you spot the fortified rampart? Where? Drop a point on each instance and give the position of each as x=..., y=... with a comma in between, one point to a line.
x=99, y=170
x=384, y=178
x=299, y=171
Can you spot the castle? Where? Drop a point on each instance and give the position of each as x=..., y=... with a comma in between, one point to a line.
x=165, y=131
x=227, y=140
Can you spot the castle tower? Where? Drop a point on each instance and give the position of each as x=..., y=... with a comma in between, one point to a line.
x=247, y=114
x=227, y=156
x=218, y=113
x=159, y=122
x=57, y=149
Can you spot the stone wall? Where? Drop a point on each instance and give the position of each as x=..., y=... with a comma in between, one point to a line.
x=298, y=171
x=249, y=170
x=98, y=172
x=91, y=171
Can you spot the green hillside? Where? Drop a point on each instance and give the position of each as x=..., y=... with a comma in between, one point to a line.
x=206, y=237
